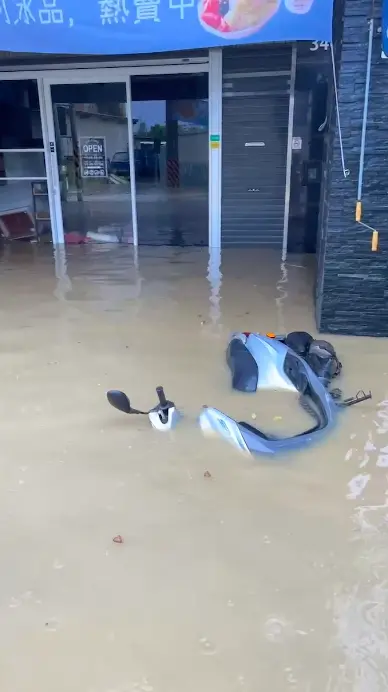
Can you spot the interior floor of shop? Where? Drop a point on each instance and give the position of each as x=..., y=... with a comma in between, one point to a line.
x=165, y=216
x=233, y=573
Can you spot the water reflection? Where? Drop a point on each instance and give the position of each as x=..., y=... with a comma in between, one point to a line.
x=64, y=285
x=214, y=277
x=281, y=287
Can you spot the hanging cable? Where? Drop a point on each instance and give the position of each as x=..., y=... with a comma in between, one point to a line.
x=365, y=113
x=345, y=170
x=375, y=234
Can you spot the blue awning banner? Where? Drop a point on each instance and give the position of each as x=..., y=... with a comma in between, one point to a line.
x=114, y=27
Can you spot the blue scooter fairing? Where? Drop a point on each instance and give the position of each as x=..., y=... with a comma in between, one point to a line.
x=259, y=362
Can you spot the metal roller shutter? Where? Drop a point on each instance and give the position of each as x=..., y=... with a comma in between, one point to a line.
x=255, y=100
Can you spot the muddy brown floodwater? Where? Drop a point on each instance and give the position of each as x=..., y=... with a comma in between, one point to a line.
x=234, y=575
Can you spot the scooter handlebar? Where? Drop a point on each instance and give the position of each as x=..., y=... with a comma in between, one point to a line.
x=161, y=396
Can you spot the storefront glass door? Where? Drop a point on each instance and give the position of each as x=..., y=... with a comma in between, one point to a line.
x=91, y=144
x=129, y=156
x=171, y=154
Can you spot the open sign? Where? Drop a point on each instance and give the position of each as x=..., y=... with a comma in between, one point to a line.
x=93, y=157
x=93, y=148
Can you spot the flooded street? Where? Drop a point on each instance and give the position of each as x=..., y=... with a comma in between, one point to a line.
x=234, y=575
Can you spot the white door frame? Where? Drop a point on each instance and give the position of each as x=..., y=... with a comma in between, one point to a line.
x=122, y=72
x=290, y=135
x=215, y=147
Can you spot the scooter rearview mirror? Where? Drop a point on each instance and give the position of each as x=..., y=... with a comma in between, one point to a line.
x=120, y=401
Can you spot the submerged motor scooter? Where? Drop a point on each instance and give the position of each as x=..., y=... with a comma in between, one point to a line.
x=260, y=362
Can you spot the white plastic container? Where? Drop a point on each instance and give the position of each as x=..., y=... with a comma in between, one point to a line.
x=299, y=6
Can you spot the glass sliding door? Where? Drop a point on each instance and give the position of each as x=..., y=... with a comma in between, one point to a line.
x=171, y=158
x=24, y=203
x=91, y=134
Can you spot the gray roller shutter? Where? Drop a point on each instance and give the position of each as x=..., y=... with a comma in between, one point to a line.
x=254, y=144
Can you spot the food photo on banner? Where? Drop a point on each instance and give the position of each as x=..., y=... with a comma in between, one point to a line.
x=114, y=27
